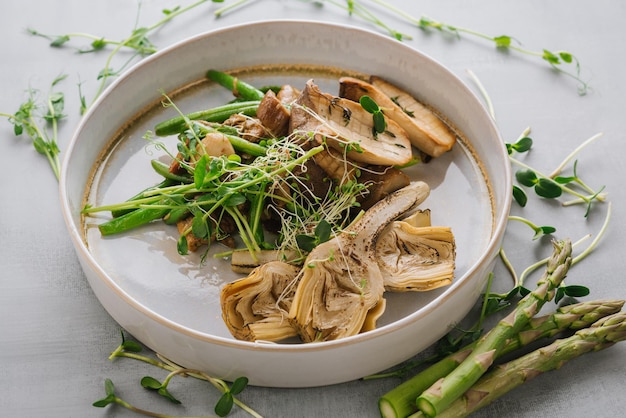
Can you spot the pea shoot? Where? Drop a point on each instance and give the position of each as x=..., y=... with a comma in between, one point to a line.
x=131, y=349
x=560, y=60
x=552, y=186
x=137, y=41
x=39, y=119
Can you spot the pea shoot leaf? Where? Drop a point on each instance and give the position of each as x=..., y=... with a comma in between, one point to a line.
x=520, y=196
x=548, y=188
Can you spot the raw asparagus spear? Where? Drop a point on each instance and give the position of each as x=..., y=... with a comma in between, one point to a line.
x=446, y=390
x=602, y=334
x=400, y=401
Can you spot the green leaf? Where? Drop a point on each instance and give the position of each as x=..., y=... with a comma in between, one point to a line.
x=18, y=128
x=199, y=173
x=98, y=44
x=323, y=231
x=239, y=385
x=526, y=178
x=548, y=188
x=306, y=242
x=224, y=404
x=565, y=180
x=368, y=104
x=150, y=383
x=560, y=293
x=523, y=144
x=380, y=124
x=199, y=226
x=576, y=291
x=131, y=346
x=109, y=388
x=104, y=402
x=235, y=199
x=520, y=196
x=502, y=41
x=59, y=41
x=548, y=229
x=550, y=57
x=566, y=57
x=182, y=246
x=170, y=11
x=40, y=145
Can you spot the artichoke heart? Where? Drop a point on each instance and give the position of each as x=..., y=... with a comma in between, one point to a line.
x=255, y=307
x=340, y=292
x=416, y=258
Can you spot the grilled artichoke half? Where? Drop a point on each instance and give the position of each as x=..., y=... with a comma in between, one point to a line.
x=416, y=258
x=256, y=306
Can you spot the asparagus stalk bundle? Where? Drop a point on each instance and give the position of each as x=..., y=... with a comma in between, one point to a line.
x=446, y=390
x=602, y=334
x=400, y=401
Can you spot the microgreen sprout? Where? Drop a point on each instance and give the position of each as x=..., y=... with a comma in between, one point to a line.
x=553, y=185
x=557, y=59
x=560, y=60
x=39, y=120
x=370, y=106
x=137, y=41
x=539, y=230
x=131, y=349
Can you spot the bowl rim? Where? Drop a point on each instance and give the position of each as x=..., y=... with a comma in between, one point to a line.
x=498, y=227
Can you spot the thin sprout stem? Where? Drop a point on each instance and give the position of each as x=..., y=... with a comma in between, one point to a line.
x=175, y=369
x=362, y=12
x=175, y=13
x=225, y=9
x=484, y=93
x=483, y=310
x=524, y=221
x=595, y=241
x=567, y=159
x=394, y=9
x=509, y=266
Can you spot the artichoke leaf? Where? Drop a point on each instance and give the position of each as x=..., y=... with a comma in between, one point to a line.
x=255, y=307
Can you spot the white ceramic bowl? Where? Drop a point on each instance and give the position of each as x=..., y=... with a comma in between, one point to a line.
x=171, y=303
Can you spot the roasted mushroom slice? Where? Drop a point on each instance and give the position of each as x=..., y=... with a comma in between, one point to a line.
x=416, y=258
x=255, y=307
x=346, y=126
x=426, y=130
x=341, y=287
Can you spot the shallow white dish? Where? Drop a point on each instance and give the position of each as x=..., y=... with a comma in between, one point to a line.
x=171, y=303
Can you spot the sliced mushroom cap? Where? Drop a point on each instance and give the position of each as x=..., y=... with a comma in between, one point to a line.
x=416, y=258
x=347, y=127
x=255, y=307
x=426, y=130
x=340, y=292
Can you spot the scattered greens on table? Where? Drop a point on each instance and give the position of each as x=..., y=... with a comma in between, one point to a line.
x=460, y=372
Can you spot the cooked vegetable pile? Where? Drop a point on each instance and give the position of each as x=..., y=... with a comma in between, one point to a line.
x=307, y=191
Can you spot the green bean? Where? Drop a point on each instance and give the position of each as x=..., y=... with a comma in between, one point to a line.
x=217, y=114
x=119, y=212
x=238, y=87
x=164, y=170
x=130, y=220
x=247, y=147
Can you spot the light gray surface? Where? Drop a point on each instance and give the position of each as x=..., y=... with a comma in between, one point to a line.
x=54, y=335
